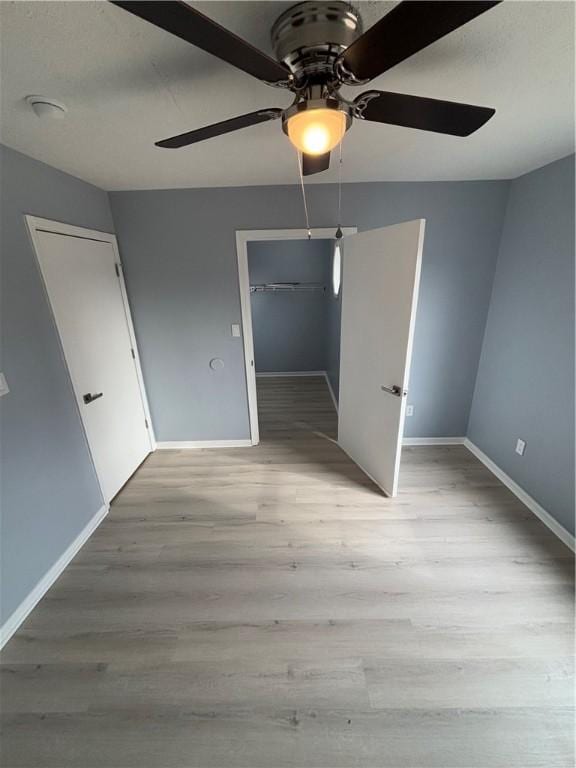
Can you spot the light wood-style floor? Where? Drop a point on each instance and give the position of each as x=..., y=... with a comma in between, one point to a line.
x=267, y=608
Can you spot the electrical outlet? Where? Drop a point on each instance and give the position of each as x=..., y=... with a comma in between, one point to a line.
x=520, y=447
x=409, y=410
x=236, y=330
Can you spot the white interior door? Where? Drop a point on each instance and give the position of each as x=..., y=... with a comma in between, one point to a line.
x=86, y=298
x=379, y=295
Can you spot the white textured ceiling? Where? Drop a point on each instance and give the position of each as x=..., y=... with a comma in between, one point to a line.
x=127, y=84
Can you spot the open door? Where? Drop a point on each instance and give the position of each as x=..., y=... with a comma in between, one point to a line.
x=380, y=283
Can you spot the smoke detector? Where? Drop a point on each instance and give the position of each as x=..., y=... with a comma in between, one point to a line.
x=46, y=108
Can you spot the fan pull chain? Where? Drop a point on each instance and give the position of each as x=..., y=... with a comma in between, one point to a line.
x=339, y=229
x=299, y=160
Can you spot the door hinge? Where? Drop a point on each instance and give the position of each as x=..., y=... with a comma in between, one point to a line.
x=133, y=354
x=117, y=269
x=146, y=422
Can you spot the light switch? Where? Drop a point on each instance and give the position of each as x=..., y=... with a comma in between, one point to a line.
x=520, y=447
x=235, y=329
x=3, y=385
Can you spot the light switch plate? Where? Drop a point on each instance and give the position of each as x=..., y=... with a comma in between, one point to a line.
x=520, y=447
x=4, y=389
x=235, y=329
x=409, y=410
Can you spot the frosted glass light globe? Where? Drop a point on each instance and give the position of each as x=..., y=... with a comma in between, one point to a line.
x=316, y=131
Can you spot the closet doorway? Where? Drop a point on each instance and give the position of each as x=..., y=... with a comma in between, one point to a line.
x=269, y=261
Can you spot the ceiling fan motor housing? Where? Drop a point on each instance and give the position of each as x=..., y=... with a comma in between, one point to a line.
x=310, y=36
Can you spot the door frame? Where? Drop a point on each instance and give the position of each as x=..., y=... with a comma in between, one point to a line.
x=35, y=224
x=243, y=237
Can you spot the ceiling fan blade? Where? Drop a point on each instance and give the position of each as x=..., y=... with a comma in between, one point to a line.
x=217, y=129
x=408, y=28
x=315, y=163
x=425, y=114
x=192, y=26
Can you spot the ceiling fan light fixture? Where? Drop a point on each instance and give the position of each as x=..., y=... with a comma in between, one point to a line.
x=317, y=131
x=319, y=47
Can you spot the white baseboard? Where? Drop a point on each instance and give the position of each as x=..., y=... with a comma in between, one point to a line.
x=524, y=497
x=281, y=374
x=26, y=606
x=186, y=444
x=433, y=441
x=332, y=395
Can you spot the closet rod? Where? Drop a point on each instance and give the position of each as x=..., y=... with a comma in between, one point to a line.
x=278, y=287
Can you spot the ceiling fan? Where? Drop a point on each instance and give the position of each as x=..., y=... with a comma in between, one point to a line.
x=320, y=46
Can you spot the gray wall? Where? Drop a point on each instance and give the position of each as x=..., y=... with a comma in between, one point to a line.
x=49, y=490
x=290, y=329
x=525, y=385
x=178, y=249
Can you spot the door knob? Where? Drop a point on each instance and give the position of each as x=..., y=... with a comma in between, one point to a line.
x=394, y=390
x=89, y=398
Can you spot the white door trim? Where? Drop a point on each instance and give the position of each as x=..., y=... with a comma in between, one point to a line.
x=243, y=237
x=35, y=224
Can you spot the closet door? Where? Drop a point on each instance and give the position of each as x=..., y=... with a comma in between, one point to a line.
x=379, y=295
x=82, y=278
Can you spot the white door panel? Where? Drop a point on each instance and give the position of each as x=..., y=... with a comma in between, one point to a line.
x=380, y=289
x=86, y=299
